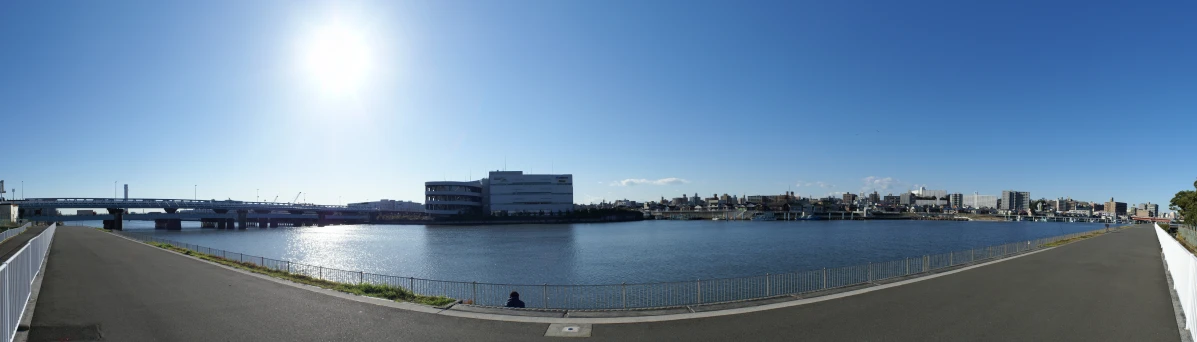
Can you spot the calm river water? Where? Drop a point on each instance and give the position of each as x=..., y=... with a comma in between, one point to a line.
x=610, y=253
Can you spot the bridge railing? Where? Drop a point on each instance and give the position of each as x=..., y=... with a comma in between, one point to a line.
x=650, y=295
x=13, y=232
x=16, y=280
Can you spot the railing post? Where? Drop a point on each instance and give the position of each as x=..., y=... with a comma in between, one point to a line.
x=321, y=270
x=950, y=257
x=926, y=263
x=288, y=266
x=824, y=278
x=624, y=297
x=360, y=277
x=474, y=298
x=869, y=270
x=699, y=291
x=907, y=266
x=411, y=284
x=546, y=295
x=768, y=288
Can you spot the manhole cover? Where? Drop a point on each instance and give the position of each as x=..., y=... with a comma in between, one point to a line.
x=568, y=330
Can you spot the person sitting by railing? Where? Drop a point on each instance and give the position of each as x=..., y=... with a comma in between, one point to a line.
x=514, y=301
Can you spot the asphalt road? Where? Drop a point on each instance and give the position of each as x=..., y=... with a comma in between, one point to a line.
x=1110, y=288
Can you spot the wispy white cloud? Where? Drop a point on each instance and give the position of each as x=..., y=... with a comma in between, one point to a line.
x=639, y=181
x=879, y=184
x=820, y=184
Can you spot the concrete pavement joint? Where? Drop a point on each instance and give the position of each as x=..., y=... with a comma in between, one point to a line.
x=613, y=320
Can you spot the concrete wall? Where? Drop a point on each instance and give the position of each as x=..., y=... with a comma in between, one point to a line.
x=8, y=213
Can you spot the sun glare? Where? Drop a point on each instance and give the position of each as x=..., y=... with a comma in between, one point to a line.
x=337, y=59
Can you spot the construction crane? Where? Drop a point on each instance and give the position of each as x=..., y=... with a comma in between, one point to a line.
x=297, y=197
x=275, y=199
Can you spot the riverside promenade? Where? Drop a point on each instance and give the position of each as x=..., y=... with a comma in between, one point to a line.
x=98, y=286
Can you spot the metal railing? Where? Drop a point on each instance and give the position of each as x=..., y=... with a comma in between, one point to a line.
x=13, y=232
x=1186, y=232
x=1182, y=265
x=646, y=295
x=16, y=280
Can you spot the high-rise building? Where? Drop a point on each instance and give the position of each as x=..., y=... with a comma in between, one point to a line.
x=1015, y=200
x=891, y=200
x=923, y=192
x=979, y=201
x=849, y=199
x=906, y=198
x=956, y=200
x=874, y=198
x=1115, y=208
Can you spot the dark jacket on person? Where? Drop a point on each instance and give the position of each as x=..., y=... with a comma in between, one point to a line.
x=514, y=302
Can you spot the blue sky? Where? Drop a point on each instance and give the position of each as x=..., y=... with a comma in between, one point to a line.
x=637, y=99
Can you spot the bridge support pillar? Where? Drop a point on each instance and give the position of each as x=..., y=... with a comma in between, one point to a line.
x=159, y=224
x=263, y=223
x=174, y=224
x=118, y=219
x=273, y=223
x=242, y=219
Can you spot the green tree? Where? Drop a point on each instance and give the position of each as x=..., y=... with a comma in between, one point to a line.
x=1185, y=204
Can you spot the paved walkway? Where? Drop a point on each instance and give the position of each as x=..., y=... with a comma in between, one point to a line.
x=14, y=244
x=1110, y=288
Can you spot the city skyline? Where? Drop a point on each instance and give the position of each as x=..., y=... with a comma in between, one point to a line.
x=352, y=102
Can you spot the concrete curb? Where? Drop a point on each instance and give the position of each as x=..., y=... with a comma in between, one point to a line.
x=452, y=312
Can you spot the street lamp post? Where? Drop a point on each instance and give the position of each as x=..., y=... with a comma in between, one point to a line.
x=193, y=190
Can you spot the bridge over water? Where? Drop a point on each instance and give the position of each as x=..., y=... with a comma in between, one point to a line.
x=211, y=213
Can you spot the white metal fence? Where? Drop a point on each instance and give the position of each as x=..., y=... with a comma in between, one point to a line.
x=646, y=295
x=12, y=232
x=16, y=276
x=1182, y=265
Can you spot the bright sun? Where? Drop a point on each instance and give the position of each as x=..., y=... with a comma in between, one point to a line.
x=337, y=59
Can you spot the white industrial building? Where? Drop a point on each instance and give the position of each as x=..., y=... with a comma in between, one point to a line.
x=515, y=192
x=389, y=205
x=503, y=192
x=452, y=198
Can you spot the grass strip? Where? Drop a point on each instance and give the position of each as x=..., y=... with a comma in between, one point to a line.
x=378, y=291
x=1082, y=237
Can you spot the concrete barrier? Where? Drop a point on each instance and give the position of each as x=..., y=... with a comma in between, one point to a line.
x=1182, y=265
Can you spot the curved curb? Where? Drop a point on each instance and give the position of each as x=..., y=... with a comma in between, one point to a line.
x=611, y=320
